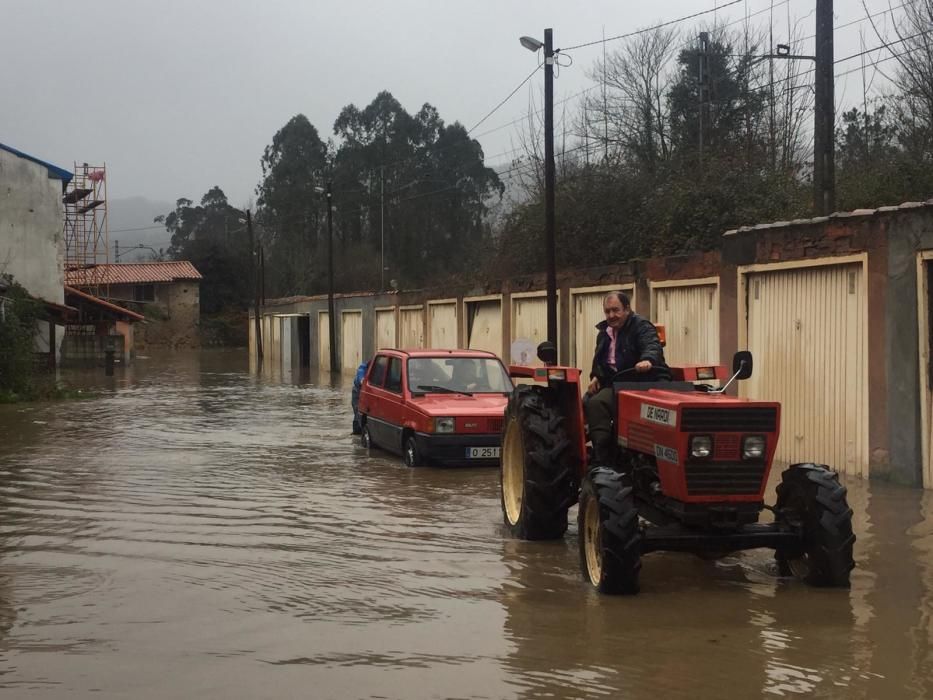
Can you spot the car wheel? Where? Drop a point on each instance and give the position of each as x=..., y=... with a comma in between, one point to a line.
x=412, y=456
x=366, y=439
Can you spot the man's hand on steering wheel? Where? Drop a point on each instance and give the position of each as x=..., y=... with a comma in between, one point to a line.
x=643, y=366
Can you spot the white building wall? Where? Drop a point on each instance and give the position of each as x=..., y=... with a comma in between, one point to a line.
x=32, y=217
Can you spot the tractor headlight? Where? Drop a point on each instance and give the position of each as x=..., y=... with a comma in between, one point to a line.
x=443, y=425
x=753, y=447
x=701, y=446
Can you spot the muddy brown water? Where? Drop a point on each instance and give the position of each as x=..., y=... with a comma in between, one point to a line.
x=198, y=531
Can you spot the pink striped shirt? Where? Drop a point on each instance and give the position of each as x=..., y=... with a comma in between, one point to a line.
x=611, y=359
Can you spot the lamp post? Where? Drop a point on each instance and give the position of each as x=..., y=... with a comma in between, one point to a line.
x=533, y=44
x=331, y=321
x=255, y=284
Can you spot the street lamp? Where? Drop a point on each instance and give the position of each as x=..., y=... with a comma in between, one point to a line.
x=329, y=196
x=533, y=44
x=256, y=283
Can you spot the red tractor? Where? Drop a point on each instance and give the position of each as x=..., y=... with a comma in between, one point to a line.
x=690, y=474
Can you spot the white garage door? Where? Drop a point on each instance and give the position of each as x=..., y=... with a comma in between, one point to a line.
x=443, y=326
x=385, y=328
x=484, y=326
x=807, y=332
x=323, y=340
x=411, y=328
x=529, y=328
x=690, y=316
x=351, y=340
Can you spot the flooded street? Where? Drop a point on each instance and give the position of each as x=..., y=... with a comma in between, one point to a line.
x=196, y=531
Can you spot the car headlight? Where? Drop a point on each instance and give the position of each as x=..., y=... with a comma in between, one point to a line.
x=443, y=425
x=701, y=446
x=753, y=447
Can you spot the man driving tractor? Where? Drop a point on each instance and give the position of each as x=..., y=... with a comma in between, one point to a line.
x=628, y=349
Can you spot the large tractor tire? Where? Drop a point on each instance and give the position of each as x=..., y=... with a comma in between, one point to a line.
x=811, y=500
x=537, y=467
x=610, y=537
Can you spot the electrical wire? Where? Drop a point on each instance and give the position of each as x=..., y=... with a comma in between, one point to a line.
x=141, y=228
x=508, y=97
x=652, y=28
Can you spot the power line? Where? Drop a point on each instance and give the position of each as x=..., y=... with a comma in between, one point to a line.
x=508, y=97
x=651, y=29
x=141, y=228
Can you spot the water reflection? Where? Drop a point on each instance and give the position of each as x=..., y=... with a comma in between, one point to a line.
x=196, y=529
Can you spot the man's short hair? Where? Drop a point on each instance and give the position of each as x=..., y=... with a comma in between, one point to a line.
x=622, y=297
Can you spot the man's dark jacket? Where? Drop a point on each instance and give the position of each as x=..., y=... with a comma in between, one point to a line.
x=637, y=340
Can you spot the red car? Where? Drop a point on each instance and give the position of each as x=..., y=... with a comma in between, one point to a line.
x=435, y=405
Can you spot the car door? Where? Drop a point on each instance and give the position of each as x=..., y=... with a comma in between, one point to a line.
x=393, y=406
x=372, y=398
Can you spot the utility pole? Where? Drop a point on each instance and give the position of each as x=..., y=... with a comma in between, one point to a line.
x=824, y=120
x=116, y=251
x=382, y=228
x=702, y=71
x=330, y=279
x=549, y=186
x=255, y=280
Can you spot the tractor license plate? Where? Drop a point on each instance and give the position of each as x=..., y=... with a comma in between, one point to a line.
x=482, y=452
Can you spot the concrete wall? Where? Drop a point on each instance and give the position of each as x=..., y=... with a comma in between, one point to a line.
x=32, y=218
x=172, y=320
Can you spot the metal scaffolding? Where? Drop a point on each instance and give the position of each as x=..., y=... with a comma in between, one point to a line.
x=87, y=239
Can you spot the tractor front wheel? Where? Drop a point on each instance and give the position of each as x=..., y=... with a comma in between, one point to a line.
x=811, y=501
x=537, y=469
x=610, y=537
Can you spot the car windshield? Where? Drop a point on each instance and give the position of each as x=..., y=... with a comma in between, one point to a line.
x=471, y=375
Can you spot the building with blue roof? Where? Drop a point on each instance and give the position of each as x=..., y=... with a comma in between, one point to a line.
x=32, y=221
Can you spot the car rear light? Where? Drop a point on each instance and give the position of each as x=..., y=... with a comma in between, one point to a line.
x=753, y=447
x=701, y=446
x=443, y=425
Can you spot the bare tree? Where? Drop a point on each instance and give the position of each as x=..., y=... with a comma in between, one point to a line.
x=629, y=113
x=912, y=48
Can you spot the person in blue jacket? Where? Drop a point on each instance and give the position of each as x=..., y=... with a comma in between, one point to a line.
x=355, y=397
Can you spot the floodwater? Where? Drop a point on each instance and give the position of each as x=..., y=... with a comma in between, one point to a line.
x=197, y=531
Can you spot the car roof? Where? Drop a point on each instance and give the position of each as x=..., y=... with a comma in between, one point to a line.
x=434, y=352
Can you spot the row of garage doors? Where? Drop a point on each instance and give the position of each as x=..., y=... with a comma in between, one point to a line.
x=806, y=327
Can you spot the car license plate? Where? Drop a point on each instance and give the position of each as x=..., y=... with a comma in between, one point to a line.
x=482, y=452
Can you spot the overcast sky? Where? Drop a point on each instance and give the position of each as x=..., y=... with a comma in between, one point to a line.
x=179, y=95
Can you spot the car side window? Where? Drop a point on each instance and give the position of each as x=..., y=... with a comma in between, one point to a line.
x=378, y=375
x=394, y=380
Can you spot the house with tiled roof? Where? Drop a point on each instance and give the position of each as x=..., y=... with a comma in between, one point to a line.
x=167, y=293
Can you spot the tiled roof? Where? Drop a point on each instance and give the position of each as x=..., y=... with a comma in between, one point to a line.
x=133, y=273
x=836, y=215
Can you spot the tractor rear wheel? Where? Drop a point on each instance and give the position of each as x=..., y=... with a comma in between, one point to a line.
x=811, y=500
x=537, y=468
x=610, y=538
